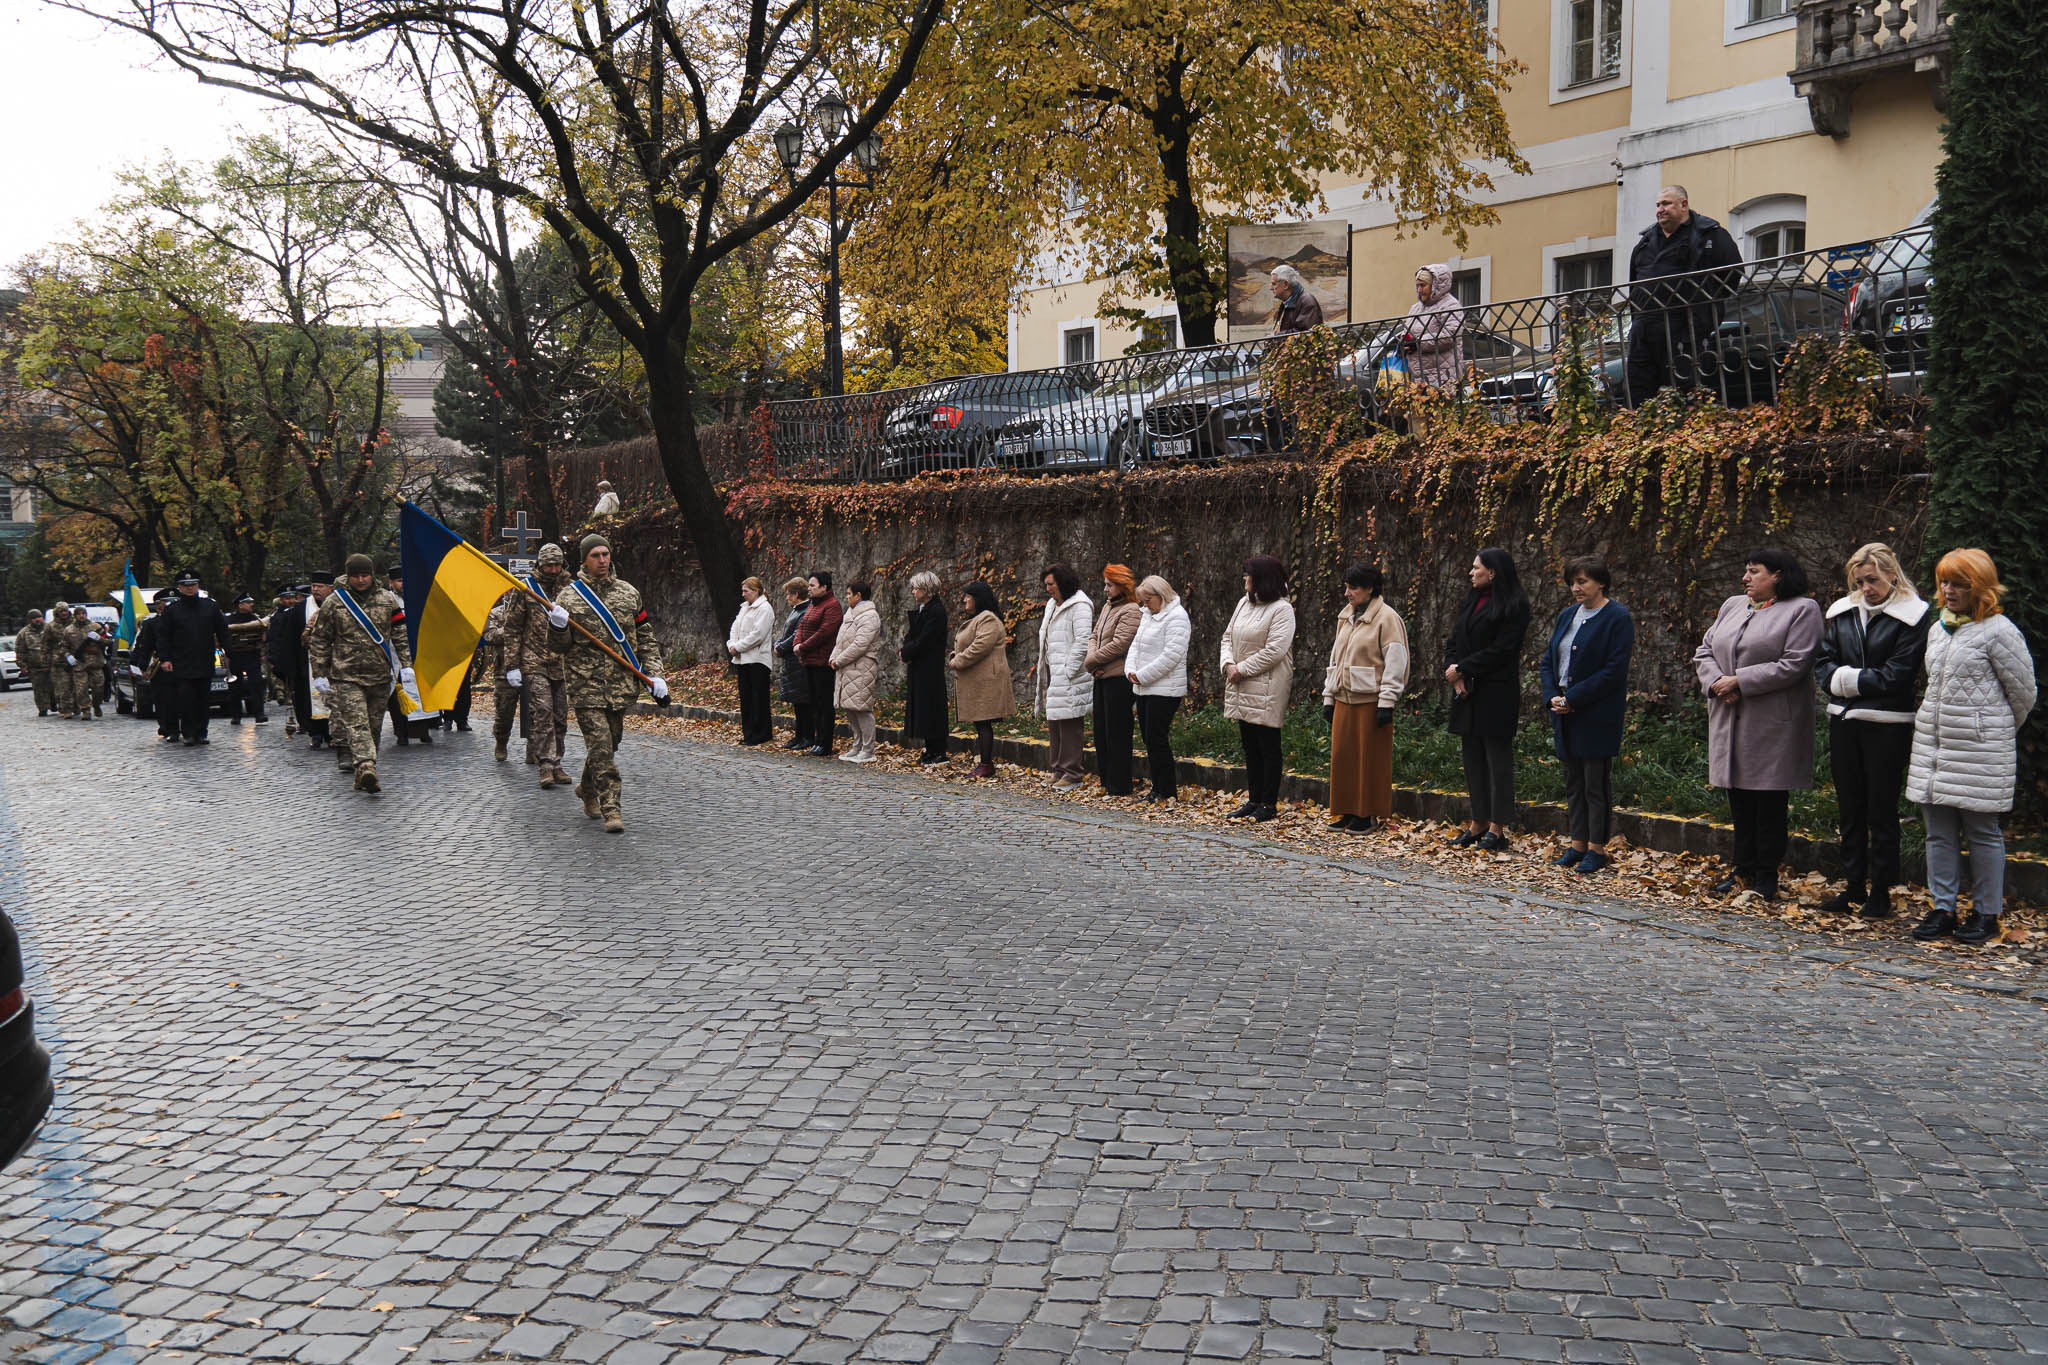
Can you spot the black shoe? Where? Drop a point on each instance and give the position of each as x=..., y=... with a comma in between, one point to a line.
x=263, y=720
x=1264, y=813
x=1879, y=906
x=1979, y=930
x=234, y=720
x=402, y=740
x=1938, y=924
x=1727, y=885
x=798, y=743
x=191, y=743
x=1363, y=824
x=1156, y=798
x=1490, y=842
x=167, y=739
x=426, y=739
x=1341, y=823
x=461, y=727
x=1244, y=812
x=1842, y=902
x=1765, y=890
x=1465, y=840
x=931, y=760
x=1569, y=858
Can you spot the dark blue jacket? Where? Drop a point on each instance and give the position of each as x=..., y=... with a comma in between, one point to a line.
x=1599, y=690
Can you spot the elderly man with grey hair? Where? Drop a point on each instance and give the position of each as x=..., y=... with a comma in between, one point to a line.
x=1299, y=310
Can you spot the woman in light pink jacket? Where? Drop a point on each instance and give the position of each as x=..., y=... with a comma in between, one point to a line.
x=1436, y=327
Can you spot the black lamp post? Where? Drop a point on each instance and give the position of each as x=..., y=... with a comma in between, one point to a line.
x=829, y=117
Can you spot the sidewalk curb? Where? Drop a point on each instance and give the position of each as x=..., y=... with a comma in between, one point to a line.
x=1022, y=752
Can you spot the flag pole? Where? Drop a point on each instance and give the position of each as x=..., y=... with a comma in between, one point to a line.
x=574, y=624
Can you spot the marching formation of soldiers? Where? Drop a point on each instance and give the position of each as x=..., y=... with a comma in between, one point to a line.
x=340, y=656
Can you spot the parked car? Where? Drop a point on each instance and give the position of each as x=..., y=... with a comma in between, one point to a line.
x=1101, y=430
x=26, y=1091
x=953, y=425
x=10, y=670
x=1888, y=307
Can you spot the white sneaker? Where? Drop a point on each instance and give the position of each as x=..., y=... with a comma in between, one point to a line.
x=862, y=757
x=1066, y=786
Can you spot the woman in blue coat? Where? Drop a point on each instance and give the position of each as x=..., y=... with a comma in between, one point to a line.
x=1584, y=674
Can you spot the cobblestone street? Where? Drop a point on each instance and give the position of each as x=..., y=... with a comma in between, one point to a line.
x=821, y=1064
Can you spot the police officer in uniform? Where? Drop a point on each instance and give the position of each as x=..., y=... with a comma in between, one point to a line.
x=600, y=688
x=353, y=644
x=150, y=680
x=245, y=662
x=32, y=653
x=189, y=629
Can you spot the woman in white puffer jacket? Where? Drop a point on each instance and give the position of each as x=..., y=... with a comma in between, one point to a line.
x=1980, y=688
x=1064, y=688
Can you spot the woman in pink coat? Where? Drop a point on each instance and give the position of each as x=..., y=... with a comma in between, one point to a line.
x=1435, y=329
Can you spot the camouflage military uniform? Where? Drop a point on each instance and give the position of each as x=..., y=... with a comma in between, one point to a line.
x=599, y=688
x=542, y=676
x=32, y=652
x=504, y=696
x=357, y=670
x=84, y=641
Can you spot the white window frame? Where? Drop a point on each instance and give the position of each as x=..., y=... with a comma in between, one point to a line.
x=1561, y=89
x=1582, y=246
x=1737, y=28
x=1089, y=325
x=1766, y=211
x=1482, y=264
x=1172, y=314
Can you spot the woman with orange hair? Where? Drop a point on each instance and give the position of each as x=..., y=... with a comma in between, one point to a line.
x=1116, y=625
x=1980, y=687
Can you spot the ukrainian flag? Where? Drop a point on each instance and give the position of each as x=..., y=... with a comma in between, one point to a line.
x=450, y=587
x=134, y=606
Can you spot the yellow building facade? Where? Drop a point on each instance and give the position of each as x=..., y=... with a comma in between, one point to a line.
x=1795, y=123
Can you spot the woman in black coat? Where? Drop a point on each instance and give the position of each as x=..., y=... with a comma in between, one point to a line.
x=1483, y=665
x=792, y=684
x=924, y=654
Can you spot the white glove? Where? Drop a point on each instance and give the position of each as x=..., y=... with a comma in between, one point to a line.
x=320, y=686
x=1842, y=682
x=514, y=678
x=405, y=676
x=136, y=671
x=658, y=688
x=71, y=661
x=558, y=617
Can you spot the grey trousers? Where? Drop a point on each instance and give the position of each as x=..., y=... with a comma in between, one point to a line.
x=1066, y=738
x=1589, y=802
x=1947, y=828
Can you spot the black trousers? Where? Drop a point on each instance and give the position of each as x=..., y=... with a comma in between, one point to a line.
x=163, y=699
x=245, y=693
x=1761, y=822
x=1155, y=723
x=756, y=726
x=1868, y=758
x=194, y=699
x=1114, y=720
x=459, y=713
x=823, y=719
x=1589, y=799
x=1261, y=761
x=1661, y=348
x=1490, y=778
x=985, y=741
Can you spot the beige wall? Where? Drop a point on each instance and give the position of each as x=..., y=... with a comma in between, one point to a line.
x=1044, y=315
x=1523, y=29
x=1702, y=60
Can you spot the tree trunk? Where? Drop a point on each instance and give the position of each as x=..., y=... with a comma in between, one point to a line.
x=719, y=556
x=1194, y=286
x=540, y=488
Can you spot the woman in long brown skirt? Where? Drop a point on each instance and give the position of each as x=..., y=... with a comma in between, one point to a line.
x=1367, y=673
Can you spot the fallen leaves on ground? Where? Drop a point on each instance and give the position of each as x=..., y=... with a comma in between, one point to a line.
x=1669, y=883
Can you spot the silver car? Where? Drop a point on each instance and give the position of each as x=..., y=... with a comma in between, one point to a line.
x=1103, y=430
x=10, y=669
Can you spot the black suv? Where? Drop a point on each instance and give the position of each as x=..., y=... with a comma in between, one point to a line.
x=25, y=1089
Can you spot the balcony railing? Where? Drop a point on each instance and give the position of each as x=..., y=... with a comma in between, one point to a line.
x=1844, y=43
x=1727, y=332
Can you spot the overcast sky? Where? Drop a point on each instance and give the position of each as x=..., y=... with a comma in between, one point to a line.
x=78, y=104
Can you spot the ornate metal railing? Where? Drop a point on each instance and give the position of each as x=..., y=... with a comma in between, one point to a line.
x=1843, y=43
x=1725, y=331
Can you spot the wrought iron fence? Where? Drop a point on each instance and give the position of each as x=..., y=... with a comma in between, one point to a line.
x=1728, y=331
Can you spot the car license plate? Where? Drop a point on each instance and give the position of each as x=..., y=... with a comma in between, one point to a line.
x=1171, y=446
x=219, y=685
x=1016, y=445
x=1913, y=320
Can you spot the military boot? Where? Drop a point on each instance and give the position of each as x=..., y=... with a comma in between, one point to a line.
x=614, y=822
x=498, y=749
x=547, y=776
x=366, y=780
x=590, y=806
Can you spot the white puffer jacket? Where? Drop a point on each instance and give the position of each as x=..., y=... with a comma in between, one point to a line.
x=753, y=632
x=1980, y=687
x=1159, y=652
x=1065, y=690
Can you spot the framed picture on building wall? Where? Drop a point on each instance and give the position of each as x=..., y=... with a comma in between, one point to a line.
x=1320, y=251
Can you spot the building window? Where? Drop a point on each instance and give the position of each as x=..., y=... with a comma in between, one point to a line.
x=1159, y=334
x=1466, y=286
x=1594, y=51
x=1777, y=239
x=1594, y=270
x=1760, y=10
x=1080, y=346
x=6, y=503
x=426, y=352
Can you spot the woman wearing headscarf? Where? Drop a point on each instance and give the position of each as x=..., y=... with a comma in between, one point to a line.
x=1434, y=335
x=1116, y=625
x=924, y=658
x=982, y=693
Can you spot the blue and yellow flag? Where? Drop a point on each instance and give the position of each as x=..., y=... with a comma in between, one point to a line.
x=134, y=606
x=450, y=587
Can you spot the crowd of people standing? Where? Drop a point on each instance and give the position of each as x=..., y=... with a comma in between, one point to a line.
x=1118, y=662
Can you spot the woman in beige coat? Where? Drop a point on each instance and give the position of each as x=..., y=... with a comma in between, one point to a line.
x=1368, y=672
x=1258, y=675
x=857, y=669
x=982, y=693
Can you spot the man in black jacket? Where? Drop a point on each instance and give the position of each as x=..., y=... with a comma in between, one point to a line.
x=189, y=629
x=1674, y=322
x=245, y=662
x=149, y=679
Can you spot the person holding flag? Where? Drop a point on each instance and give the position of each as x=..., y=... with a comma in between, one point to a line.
x=533, y=666
x=607, y=656
x=358, y=651
x=134, y=609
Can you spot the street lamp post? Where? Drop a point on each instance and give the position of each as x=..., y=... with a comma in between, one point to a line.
x=829, y=117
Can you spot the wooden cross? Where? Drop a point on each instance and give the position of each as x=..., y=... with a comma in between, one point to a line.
x=519, y=533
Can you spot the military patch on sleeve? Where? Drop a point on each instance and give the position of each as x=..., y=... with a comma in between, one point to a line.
x=641, y=619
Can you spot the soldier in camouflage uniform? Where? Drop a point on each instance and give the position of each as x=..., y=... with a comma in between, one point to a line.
x=60, y=672
x=32, y=653
x=504, y=696
x=600, y=689
x=534, y=667
x=353, y=669
x=85, y=660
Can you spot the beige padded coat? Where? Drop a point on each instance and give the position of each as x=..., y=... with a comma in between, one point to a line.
x=1260, y=641
x=857, y=659
x=981, y=671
